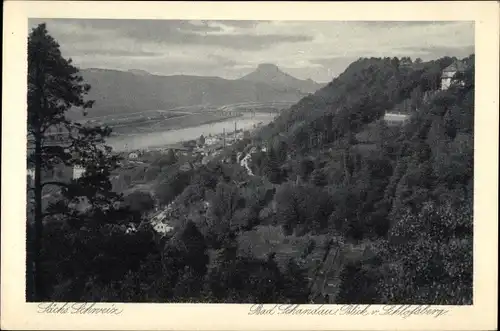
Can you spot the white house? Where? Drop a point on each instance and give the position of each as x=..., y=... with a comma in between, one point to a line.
x=185, y=167
x=395, y=118
x=133, y=156
x=449, y=72
x=78, y=172
x=211, y=140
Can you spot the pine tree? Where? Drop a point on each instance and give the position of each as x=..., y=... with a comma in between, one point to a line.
x=54, y=87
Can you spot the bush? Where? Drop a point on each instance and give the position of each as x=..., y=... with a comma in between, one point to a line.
x=139, y=203
x=171, y=186
x=152, y=173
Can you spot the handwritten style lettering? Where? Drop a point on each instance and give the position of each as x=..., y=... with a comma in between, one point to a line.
x=78, y=308
x=402, y=311
x=406, y=311
x=260, y=310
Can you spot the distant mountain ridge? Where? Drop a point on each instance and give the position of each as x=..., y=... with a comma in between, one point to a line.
x=117, y=92
x=272, y=75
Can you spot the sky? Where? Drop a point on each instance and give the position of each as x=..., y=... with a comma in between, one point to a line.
x=319, y=50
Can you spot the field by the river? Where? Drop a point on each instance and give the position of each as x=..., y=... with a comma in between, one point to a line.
x=163, y=135
x=173, y=122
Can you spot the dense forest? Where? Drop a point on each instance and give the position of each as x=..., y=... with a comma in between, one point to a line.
x=339, y=208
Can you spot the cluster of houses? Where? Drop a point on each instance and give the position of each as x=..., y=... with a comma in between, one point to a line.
x=204, y=149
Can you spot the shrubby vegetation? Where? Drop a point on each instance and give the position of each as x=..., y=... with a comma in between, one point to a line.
x=346, y=208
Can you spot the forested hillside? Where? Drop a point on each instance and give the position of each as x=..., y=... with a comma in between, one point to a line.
x=323, y=216
x=361, y=94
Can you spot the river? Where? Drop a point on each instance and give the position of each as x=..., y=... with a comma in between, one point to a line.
x=162, y=138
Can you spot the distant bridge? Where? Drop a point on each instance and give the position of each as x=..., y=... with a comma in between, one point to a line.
x=254, y=106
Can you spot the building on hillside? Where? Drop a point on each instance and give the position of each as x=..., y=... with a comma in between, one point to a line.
x=395, y=118
x=78, y=171
x=181, y=149
x=133, y=156
x=162, y=228
x=186, y=167
x=449, y=72
x=200, y=141
x=231, y=140
x=405, y=62
x=214, y=147
x=206, y=159
x=211, y=141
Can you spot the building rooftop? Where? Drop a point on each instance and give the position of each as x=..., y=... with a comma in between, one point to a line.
x=456, y=66
x=395, y=116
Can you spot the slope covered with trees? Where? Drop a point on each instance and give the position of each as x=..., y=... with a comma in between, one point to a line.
x=323, y=216
x=409, y=193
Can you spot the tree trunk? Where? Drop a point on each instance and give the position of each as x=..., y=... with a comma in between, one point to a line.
x=30, y=287
x=37, y=235
x=347, y=175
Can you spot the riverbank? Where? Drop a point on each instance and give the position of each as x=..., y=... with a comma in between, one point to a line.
x=162, y=137
x=173, y=123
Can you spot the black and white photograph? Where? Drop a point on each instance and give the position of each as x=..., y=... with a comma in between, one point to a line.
x=240, y=161
x=249, y=165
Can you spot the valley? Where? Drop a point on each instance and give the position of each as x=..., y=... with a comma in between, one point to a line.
x=260, y=189
x=111, y=91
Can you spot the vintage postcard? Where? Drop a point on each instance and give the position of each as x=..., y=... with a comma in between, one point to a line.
x=249, y=166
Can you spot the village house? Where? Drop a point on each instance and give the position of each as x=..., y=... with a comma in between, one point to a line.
x=133, y=156
x=186, y=167
x=206, y=159
x=450, y=72
x=211, y=141
x=180, y=150
x=393, y=119
x=78, y=172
